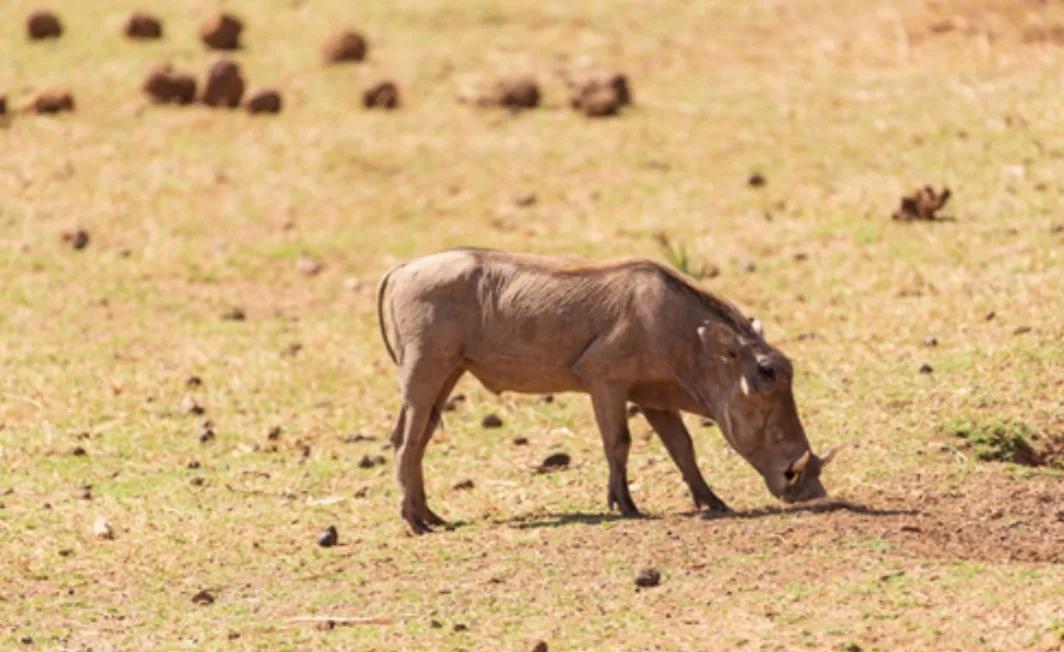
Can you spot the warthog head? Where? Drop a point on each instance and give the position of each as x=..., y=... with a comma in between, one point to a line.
x=748, y=385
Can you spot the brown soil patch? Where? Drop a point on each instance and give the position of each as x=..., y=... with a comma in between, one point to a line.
x=992, y=519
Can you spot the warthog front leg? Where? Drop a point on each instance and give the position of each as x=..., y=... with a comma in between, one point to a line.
x=612, y=418
x=673, y=433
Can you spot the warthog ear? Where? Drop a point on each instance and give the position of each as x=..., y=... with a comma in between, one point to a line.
x=719, y=339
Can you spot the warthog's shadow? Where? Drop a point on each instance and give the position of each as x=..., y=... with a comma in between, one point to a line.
x=820, y=507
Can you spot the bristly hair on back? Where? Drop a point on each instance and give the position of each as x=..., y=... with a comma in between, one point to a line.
x=728, y=313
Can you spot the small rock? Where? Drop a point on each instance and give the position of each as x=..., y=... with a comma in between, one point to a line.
x=1020, y=330
x=435, y=624
x=78, y=451
x=197, y=481
x=540, y=647
x=382, y=95
x=756, y=180
x=192, y=464
x=85, y=492
x=463, y=485
x=66, y=552
x=78, y=239
x=459, y=627
x=520, y=441
x=221, y=32
x=930, y=341
x=328, y=537
x=26, y=640
x=140, y=25
x=274, y=433
x=190, y=406
x=361, y=492
x=491, y=421
x=204, y=597
x=344, y=46
x=926, y=368
x=554, y=462
x=308, y=266
x=3, y=105
x=42, y=25
x=224, y=86
x=526, y=199
x=234, y=314
x=647, y=578
x=193, y=381
x=101, y=529
x=990, y=316
x=264, y=101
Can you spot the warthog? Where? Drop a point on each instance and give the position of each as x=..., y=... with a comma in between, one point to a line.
x=623, y=331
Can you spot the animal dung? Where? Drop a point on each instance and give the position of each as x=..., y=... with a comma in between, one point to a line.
x=78, y=239
x=3, y=104
x=463, y=485
x=203, y=597
x=601, y=95
x=491, y=421
x=344, y=46
x=224, y=86
x=42, y=25
x=234, y=314
x=647, y=578
x=50, y=101
x=517, y=93
x=166, y=86
x=221, y=32
x=141, y=25
x=383, y=95
x=368, y=462
x=264, y=101
x=553, y=462
x=328, y=537
x=756, y=180
x=922, y=204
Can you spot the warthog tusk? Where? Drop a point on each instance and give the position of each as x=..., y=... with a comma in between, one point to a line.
x=831, y=455
x=799, y=464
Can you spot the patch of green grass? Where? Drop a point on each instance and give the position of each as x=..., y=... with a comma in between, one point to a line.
x=996, y=440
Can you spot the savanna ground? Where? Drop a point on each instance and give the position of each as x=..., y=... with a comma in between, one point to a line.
x=192, y=212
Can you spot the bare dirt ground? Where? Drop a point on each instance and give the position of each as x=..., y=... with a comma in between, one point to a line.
x=116, y=345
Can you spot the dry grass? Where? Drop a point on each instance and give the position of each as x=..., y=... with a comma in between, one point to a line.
x=194, y=211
